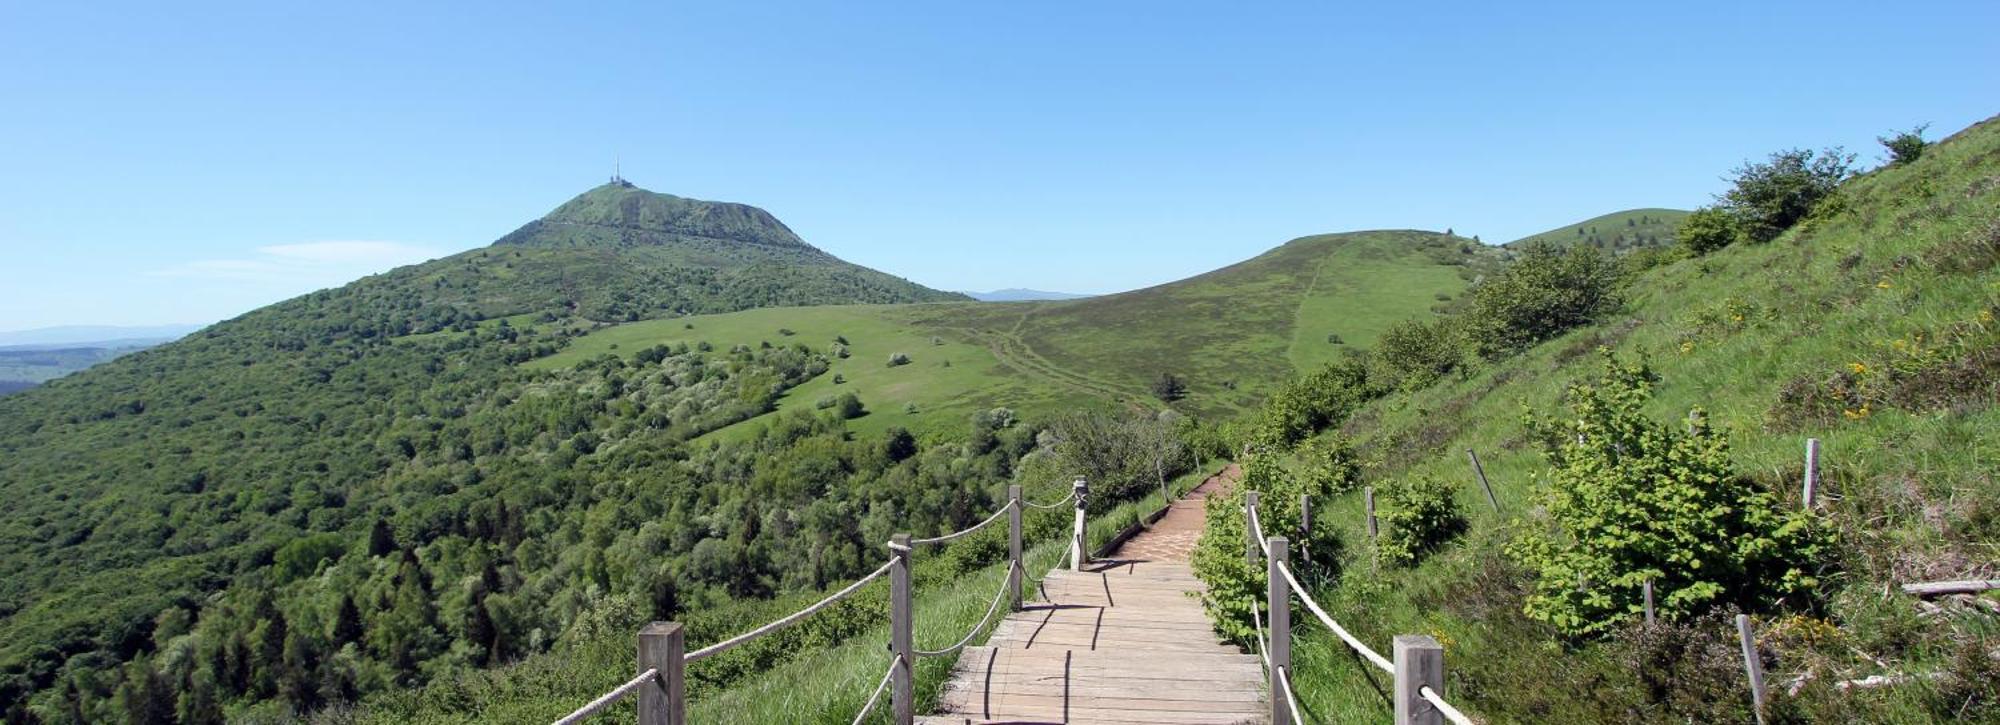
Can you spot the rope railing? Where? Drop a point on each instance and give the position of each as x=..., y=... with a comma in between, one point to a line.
x=1425, y=657
x=975, y=527
x=608, y=699
x=1327, y=619
x=880, y=687
x=661, y=643
x=1436, y=700
x=1291, y=698
x=984, y=620
x=788, y=620
x=1064, y=501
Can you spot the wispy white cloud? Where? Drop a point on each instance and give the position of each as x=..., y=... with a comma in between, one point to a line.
x=306, y=265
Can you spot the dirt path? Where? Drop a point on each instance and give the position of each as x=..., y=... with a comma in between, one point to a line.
x=1173, y=537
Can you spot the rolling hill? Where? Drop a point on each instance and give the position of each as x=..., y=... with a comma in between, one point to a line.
x=1232, y=334
x=1616, y=232
x=179, y=496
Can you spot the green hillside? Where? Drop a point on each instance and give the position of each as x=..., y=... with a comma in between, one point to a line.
x=1870, y=326
x=1232, y=335
x=361, y=488
x=1619, y=231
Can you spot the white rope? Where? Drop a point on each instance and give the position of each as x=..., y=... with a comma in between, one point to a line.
x=793, y=618
x=1064, y=502
x=1450, y=713
x=607, y=699
x=1257, y=530
x=1263, y=644
x=1291, y=699
x=869, y=706
x=975, y=527
x=1371, y=655
x=983, y=620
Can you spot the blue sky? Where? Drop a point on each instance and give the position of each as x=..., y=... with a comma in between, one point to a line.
x=189, y=162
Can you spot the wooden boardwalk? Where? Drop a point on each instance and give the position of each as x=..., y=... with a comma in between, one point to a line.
x=1124, y=642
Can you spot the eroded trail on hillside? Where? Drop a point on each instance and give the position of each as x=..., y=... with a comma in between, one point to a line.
x=1124, y=641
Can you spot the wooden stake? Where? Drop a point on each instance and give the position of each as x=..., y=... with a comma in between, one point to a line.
x=1812, y=470
x=1649, y=602
x=1278, y=595
x=1481, y=472
x=1368, y=495
x=1077, y=556
x=1419, y=664
x=1014, y=546
x=663, y=647
x=1753, y=666
x=902, y=695
x=1249, y=527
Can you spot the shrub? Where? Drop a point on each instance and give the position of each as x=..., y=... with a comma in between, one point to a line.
x=1422, y=514
x=1770, y=197
x=1630, y=500
x=1169, y=388
x=786, y=332
x=1905, y=147
x=1236, y=586
x=839, y=379
x=1415, y=353
x=849, y=406
x=1543, y=294
x=896, y=359
x=1706, y=230
x=1334, y=339
x=1330, y=465
x=1309, y=404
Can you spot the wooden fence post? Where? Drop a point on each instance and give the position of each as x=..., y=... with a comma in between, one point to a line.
x=1649, y=601
x=1249, y=527
x=1014, y=546
x=1419, y=664
x=1481, y=472
x=1752, y=665
x=1812, y=470
x=902, y=689
x=1278, y=596
x=1368, y=496
x=1077, y=556
x=663, y=647
x=1305, y=527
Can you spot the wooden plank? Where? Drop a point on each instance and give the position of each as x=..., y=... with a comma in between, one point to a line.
x=1966, y=586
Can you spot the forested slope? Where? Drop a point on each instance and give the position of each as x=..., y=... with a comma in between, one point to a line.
x=359, y=488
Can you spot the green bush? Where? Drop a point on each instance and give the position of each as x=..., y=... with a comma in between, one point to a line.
x=1770, y=197
x=1412, y=354
x=1235, y=586
x=1330, y=465
x=1631, y=500
x=1546, y=292
x=1706, y=230
x=1310, y=403
x=896, y=359
x=1905, y=147
x=1422, y=513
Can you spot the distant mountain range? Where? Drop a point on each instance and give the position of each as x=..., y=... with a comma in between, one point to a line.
x=93, y=336
x=1017, y=294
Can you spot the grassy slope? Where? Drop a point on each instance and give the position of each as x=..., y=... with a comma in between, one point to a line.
x=1912, y=490
x=1232, y=333
x=1618, y=231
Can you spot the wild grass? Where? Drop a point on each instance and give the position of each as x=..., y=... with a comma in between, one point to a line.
x=1911, y=479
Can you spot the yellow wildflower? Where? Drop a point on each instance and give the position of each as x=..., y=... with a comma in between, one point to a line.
x=1985, y=315
x=1884, y=284
x=1687, y=346
x=1856, y=414
x=1858, y=368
